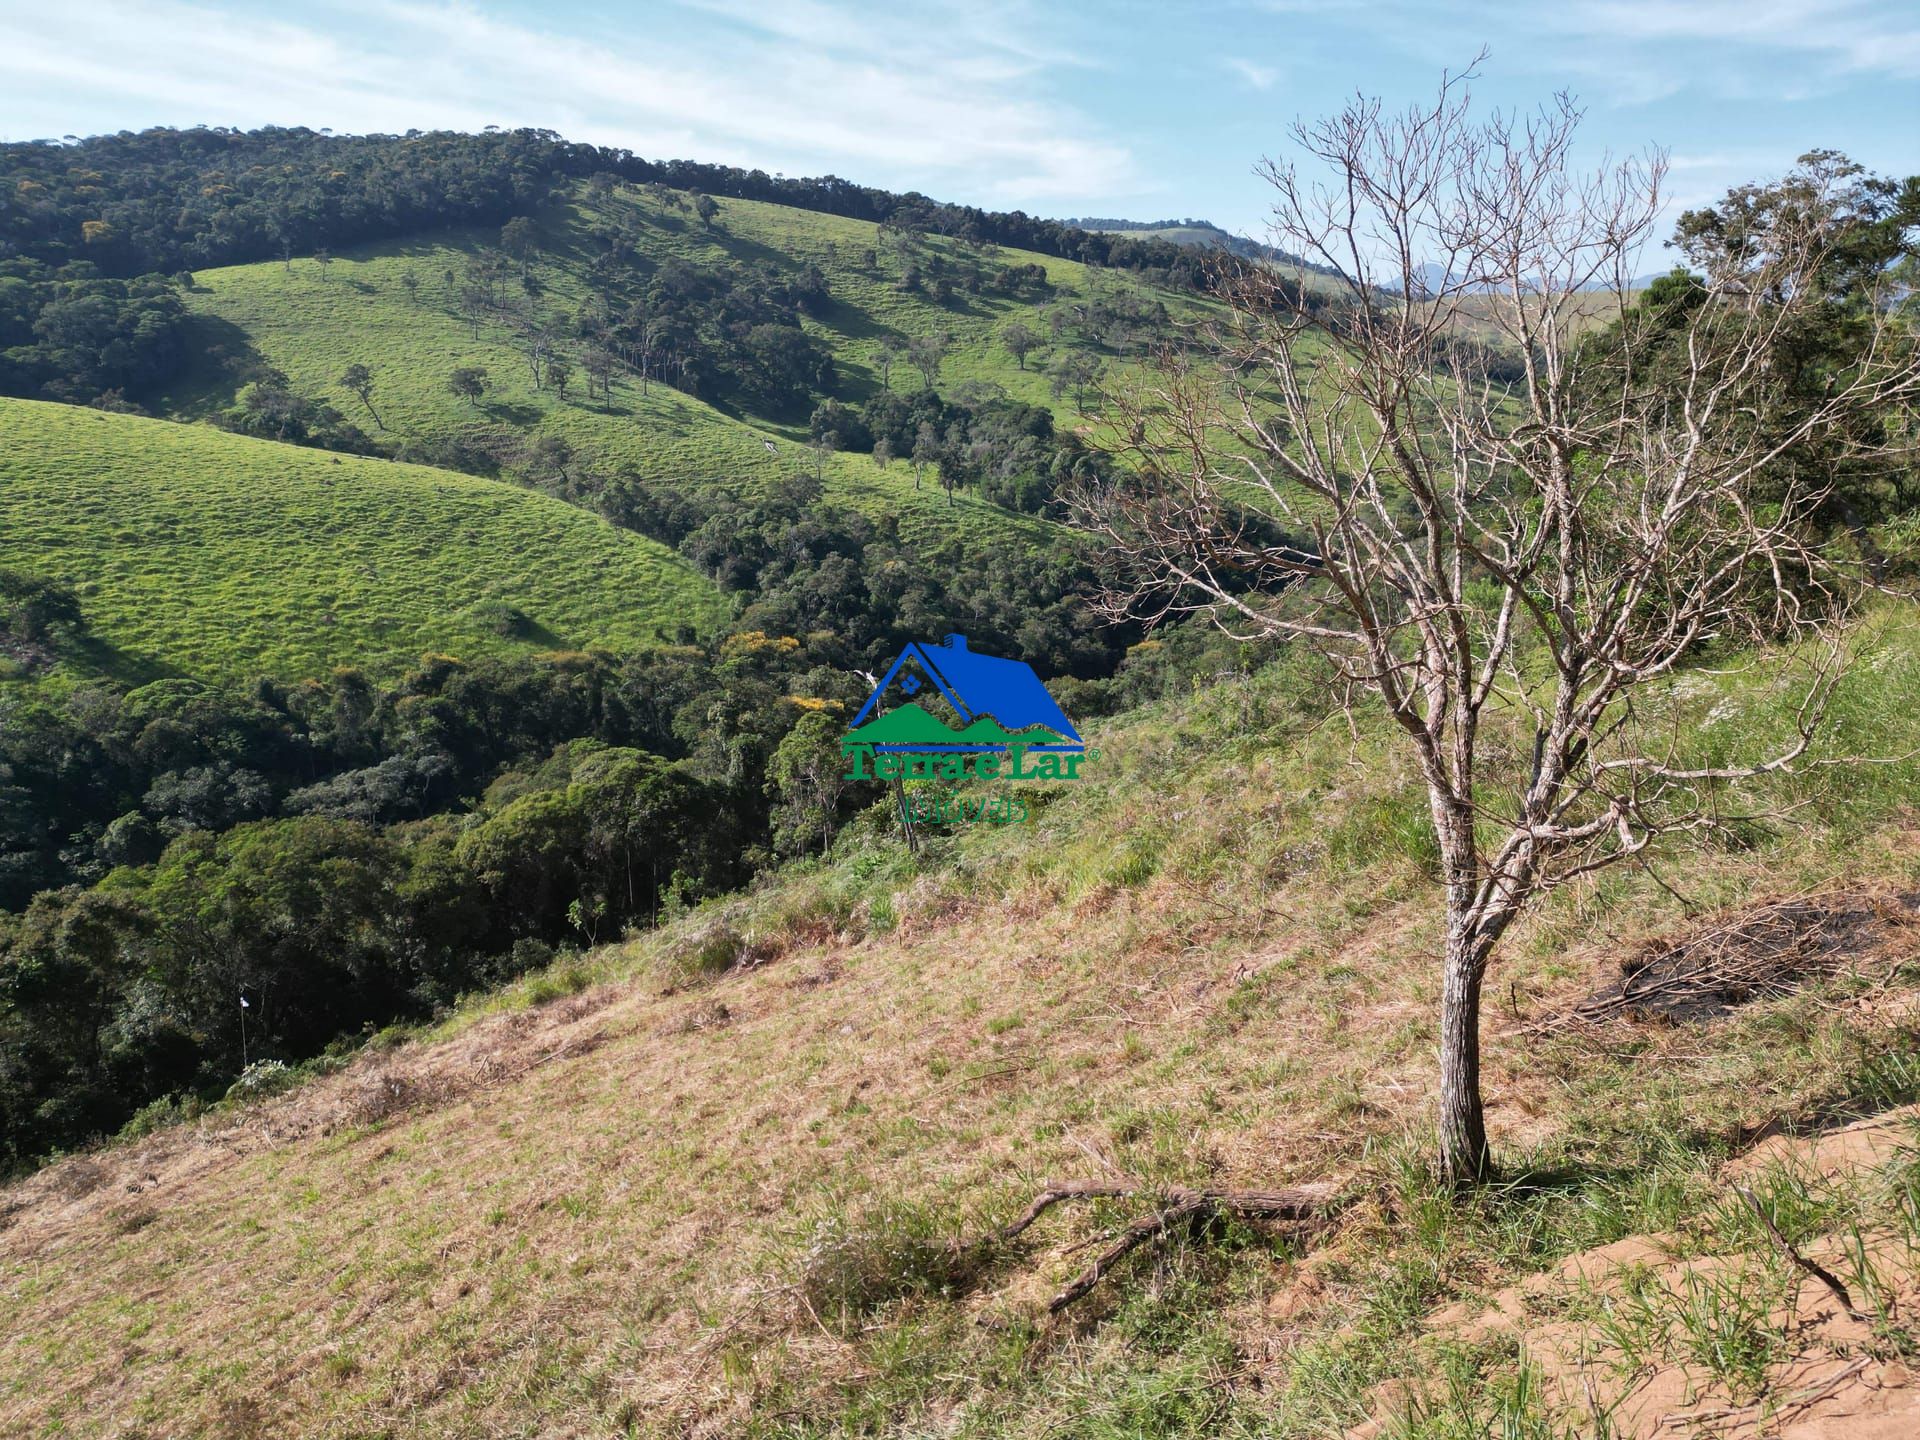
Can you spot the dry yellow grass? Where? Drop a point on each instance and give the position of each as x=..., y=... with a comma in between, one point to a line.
x=586, y=1217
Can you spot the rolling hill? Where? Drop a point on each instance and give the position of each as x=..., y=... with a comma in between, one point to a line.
x=216, y=556
x=312, y=321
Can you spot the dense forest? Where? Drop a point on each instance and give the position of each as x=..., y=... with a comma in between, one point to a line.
x=351, y=851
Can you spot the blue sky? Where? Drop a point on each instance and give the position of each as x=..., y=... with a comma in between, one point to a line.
x=1134, y=109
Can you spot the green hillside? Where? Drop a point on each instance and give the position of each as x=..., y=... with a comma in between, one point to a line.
x=211, y=555
x=312, y=321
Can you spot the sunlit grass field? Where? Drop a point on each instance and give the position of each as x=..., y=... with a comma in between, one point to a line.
x=313, y=321
x=200, y=553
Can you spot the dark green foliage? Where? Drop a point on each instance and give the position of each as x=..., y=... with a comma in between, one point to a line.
x=724, y=332
x=171, y=200
x=71, y=335
x=270, y=409
x=813, y=569
x=1870, y=227
x=1002, y=449
x=319, y=862
x=34, y=610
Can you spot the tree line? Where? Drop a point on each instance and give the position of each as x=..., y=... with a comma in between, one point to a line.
x=168, y=200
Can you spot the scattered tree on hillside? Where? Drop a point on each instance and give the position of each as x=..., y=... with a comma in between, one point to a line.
x=520, y=238
x=883, y=452
x=926, y=450
x=32, y=609
x=886, y=350
x=535, y=334
x=475, y=303
x=1020, y=341
x=928, y=353
x=410, y=282
x=559, y=376
x=358, y=380
x=469, y=382
x=599, y=365
x=1074, y=370
x=549, y=457
x=706, y=208
x=1555, y=547
x=323, y=257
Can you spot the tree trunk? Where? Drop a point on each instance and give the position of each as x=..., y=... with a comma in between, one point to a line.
x=1463, y=1130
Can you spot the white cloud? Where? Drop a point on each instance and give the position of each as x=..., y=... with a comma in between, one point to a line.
x=1635, y=52
x=1260, y=77
x=929, y=97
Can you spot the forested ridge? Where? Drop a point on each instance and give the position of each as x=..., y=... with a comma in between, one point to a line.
x=168, y=200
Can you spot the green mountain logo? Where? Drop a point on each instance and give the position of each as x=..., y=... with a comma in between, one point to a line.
x=989, y=731
x=907, y=725
x=911, y=725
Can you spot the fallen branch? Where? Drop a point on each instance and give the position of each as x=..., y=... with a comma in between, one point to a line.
x=1812, y=1267
x=1179, y=1206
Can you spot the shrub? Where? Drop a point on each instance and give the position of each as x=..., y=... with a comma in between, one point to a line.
x=167, y=1111
x=703, y=951
x=261, y=1079
x=854, y=1267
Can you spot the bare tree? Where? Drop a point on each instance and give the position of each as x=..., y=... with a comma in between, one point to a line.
x=1553, y=535
x=599, y=363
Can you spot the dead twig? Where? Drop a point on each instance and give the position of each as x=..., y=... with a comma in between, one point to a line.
x=1811, y=1267
x=1178, y=1207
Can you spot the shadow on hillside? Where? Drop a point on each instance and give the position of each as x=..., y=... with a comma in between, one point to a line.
x=510, y=412
x=224, y=359
x=534, y=633
x=99, y=659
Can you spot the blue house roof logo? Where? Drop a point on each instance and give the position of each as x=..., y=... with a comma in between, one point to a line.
x=1000, y=704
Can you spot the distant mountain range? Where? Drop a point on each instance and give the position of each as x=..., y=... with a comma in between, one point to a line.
x=1433, y=276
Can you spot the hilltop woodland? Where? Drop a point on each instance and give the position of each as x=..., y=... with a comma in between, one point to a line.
x=363, y=848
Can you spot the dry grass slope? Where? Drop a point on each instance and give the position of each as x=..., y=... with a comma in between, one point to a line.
x=710, y=1182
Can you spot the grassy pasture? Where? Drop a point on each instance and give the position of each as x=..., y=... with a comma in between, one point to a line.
x=314, y=321
x=210, y=555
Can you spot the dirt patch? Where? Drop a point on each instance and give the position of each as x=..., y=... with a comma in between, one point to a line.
x=1652, y=1337
x=1753, y=953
